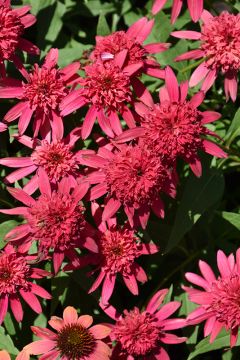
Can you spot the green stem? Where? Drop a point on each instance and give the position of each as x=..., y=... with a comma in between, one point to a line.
x=192, y=66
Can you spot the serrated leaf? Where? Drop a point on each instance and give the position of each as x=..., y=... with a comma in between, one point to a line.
x=222, y=341
x=199, y=195
x=102, y=26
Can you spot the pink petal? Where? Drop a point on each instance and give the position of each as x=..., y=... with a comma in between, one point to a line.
x=157, y=6
x=20, y=174
x=172, y=339
x=163, y=94
x=51, y=355
x=145, y=31
x=147, y=249
x=210, y=116
x=115, y=122
x=110, y=311
x=25, y=119
x=128, y=117
x=104, y=124
x=56, y=125
x=176, y=8
x=108, y=287
x=15, y=211
x=40, y=347
x=230, y=86
x=158, y=208
x=183, y=90
x=120, y=58
x=143, y=215
x=223, y=264
x=4, y=355
x=31, y=300
x=187, y=34
x=32, y=185
x=89, y=122
x=192, y=54
x=11, y=92
x=16, y=308
x=142, y=92
x=167, y=310
x=110, y=208
x=195, y=9
x=197, y=280
x=199, y=74
x=213, y=149
x=51, y=59
x=18, y=232
x=94, y=161
x=128, y=135
x=15, y=111
x=156, y=47
x=38, y=290
x=43, y=332
x=131, y=283
x=207, y=272
x=209, y=326
x=197, y=99
x=135, y=28
x=97, y=282
x=172, y=324
x=100, y=331
x=206, y=16
x=196, y=166
x=70, y=315
x=140, y=274
x=172, y=85
x=161, y=354
x=234, y=336
x=70, y=70
x=44, y=183
x=16, y=161
x=22, y=10
x=28, y=20
x=3, y=127
x=29, y=47
x=133, y=68
x=209, y=80
x=215, y=331
x=72, y=106
x=3, y=307
x=56, y=323
x=97, y=191
x=20, y=195
x=85, y=320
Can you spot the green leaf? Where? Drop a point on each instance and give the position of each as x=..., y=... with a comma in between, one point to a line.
x=233, y=218
x=56, y=22
x=6, y=343
x=5, y=227
x=234, y=129
x=199, y=195
x=102, y=26
x=222, y=341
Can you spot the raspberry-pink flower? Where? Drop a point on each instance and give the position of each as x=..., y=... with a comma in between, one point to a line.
x=141, y=334
x=55, y=220
x=16, y=274
x=119, y=247
x=40, y=96
x=56, y=157
x=74, y=338
x=132, y=41
x=195, y=8
x=175, y=127
x=13, y=23
x=106, y=88
x=219, y=300
x=219, y=49
x=132, y=177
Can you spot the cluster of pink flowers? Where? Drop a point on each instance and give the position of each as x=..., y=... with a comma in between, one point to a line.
x=139, y=144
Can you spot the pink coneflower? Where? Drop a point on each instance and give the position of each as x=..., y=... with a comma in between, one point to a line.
x=40, y=96
x=119, y=247
x=16, y=274
x=195, y=8
x=175, y=127
x=132, y=177
x=219, y=48
x=55, y=220
x=74, y=338
x=107, y=47
x=13, y=24
x=106, y=88
x=219, y=300
x=56, y=157
x=141, y=334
